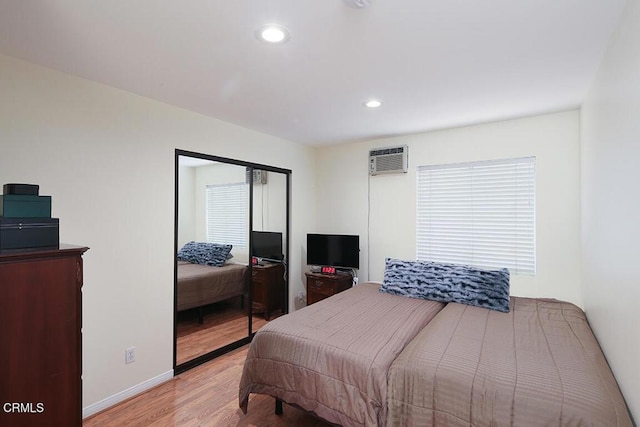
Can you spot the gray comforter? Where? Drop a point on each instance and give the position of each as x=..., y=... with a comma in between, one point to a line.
x=538, y=365
x=366, y=358
x=332, y=357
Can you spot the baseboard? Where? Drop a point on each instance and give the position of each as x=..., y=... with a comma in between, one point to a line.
x=126, y=394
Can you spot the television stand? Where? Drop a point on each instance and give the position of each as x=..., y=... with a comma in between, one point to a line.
x=321, y=286
x=267, y=281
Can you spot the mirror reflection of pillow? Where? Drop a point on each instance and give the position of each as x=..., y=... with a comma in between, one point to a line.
x=214, y=254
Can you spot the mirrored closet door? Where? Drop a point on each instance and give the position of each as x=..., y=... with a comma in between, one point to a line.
x=231, y=243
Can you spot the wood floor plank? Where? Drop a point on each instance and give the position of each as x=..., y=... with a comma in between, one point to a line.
x=203, y=396
x=223, y=324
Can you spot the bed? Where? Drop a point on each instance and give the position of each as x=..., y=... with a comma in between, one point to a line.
x=538, y=365
x=365, y=358
x=199, y=285
x=331, y=358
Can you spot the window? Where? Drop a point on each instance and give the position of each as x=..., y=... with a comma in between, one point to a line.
x=480, y=213
x=227, y=214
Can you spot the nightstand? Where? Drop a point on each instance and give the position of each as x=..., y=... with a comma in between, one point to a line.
x=267, y=283
x=321, y=286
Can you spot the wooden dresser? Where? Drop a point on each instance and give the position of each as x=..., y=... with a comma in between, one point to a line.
x=321, y=286
x=268, y=284
x=41, y=337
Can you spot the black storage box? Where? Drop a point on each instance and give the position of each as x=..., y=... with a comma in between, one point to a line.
x=21, y=189
x=23, y=233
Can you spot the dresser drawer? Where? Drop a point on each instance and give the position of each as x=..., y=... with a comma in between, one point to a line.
x=268, y=286
x=259, y=277
x=320, y=286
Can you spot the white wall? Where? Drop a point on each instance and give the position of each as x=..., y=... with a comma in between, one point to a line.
x=342, y=197
x=107, y=158
x=186, y=205
x=610, y=205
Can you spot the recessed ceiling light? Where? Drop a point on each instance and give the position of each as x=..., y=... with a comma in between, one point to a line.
x=372, y=103
x=273, y=34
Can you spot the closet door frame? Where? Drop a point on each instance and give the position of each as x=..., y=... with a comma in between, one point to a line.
x=177, y=369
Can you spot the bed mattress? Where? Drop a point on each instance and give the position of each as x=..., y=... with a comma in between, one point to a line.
x=200, y=285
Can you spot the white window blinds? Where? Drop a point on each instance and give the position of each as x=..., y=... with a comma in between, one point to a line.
x=227, y=214
x=480, y=214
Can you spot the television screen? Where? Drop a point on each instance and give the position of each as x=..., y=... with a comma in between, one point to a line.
x=267, y=245
x=334, y=250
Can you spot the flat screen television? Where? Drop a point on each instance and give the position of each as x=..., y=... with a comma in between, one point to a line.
x=267, y=245
x=333, y=250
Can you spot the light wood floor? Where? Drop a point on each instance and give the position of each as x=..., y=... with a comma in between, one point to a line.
x=203, y=396
x=224, y=323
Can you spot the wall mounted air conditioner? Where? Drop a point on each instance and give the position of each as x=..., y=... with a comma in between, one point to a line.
x=259, y=176
x=389, y=160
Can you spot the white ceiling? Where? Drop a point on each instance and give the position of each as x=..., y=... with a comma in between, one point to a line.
x=434, y=64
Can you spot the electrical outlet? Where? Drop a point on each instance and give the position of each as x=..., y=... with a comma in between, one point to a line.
x=130, y=355
x=301, y=300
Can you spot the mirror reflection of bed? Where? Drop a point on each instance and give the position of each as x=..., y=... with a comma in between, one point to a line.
x=212, y=305
x=213, y=234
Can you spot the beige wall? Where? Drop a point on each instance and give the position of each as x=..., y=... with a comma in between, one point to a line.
x=611, y=203
x=343, y=179
x=186, y=205
x=107, y=159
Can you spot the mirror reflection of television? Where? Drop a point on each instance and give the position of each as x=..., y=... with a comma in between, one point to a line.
x=333, y=250
x=267, y=245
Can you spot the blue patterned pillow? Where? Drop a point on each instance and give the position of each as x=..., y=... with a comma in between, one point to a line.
x=447, y=283
x=213, y=254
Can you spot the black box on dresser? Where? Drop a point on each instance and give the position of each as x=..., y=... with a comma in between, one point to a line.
x=22, y=233
x=25, y=219
x=21, y=189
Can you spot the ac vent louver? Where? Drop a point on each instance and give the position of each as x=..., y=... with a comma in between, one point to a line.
x=389, y=160
x=259, y=176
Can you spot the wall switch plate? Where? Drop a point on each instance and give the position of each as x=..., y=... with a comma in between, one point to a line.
x=130, y=355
